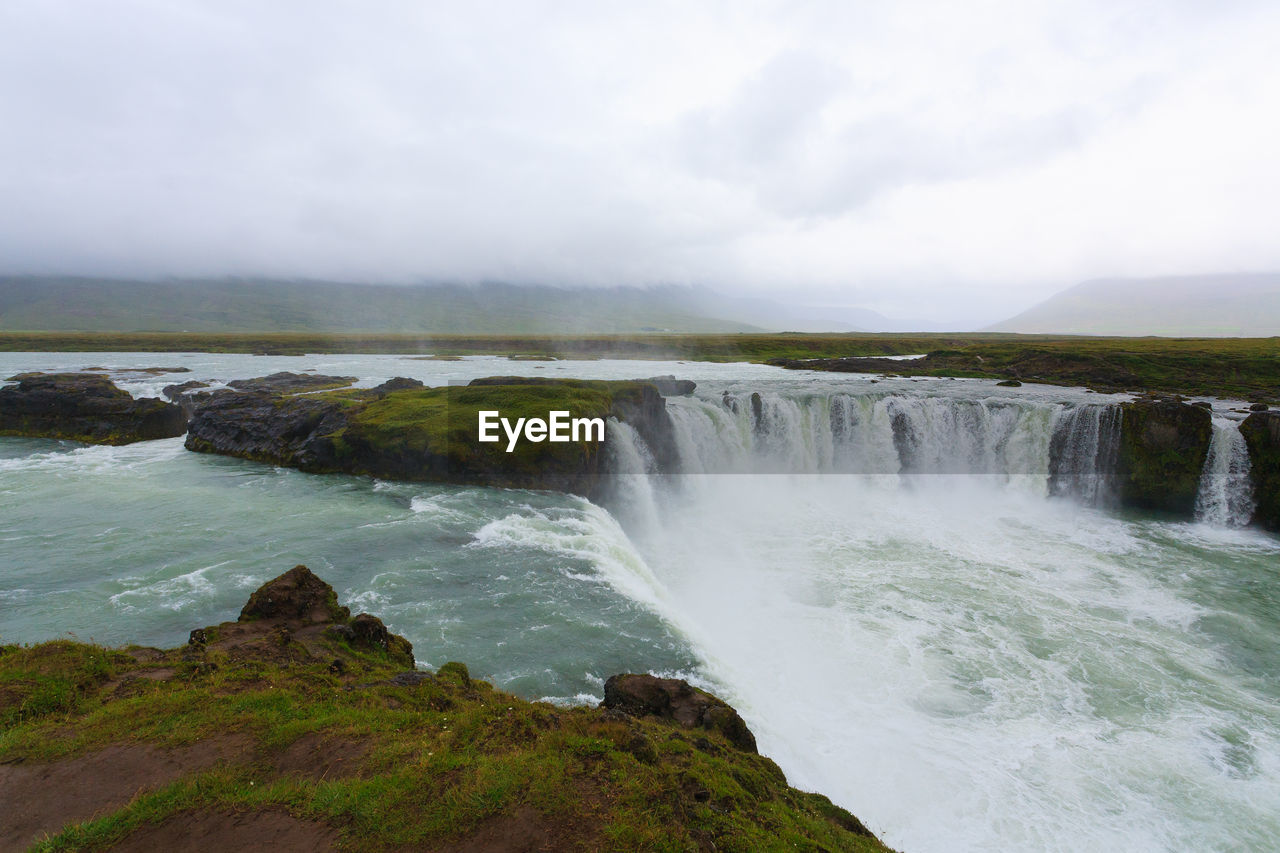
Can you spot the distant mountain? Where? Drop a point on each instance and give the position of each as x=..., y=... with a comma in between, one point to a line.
x=36, y=303
x=1228, y=305
x=864, y=319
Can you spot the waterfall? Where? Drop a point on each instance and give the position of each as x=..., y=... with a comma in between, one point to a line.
x=1047, y=448
x=632, y=466
x=806, y=433
x=1225, y=494
x=1083, y=453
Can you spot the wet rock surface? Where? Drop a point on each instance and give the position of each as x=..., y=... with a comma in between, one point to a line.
x=84, y=407
x=669, y=386
x=674, y=699
x=398, y=383
x=285, y=382
x=289, y=431
x=1163, y=446
x=1261, y=431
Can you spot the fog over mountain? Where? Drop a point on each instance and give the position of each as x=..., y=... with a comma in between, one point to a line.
x=1226, y=305
x=259, y=305
x=54, y=303
x=915, y=159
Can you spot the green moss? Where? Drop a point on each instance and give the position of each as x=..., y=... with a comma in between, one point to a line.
x=1163, y=447
x=432, y=433
x=1261, y=433
x=52, y=678
x=441, y=757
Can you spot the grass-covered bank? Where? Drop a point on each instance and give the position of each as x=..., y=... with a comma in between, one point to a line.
x=301, y=717
x=1242, y=367
x=698, y=347
x=1224, y=367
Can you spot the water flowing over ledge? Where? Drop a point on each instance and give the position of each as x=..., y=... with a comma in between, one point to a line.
x=1154, y=453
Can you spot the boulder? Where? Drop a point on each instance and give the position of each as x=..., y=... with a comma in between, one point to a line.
x=669, y=386
x=84, y=407
x=296, y=618
x=1261, y=431
x=178, y=391
x=1009, y=383
x=1163, y=446
x=674, y=699
x=295, y=595
x=398, y=383
x=640, y=405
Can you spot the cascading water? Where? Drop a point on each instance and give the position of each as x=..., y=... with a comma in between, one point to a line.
x=1082, y=454
x=960, y=662
x=891, y=434
x=1225, y=495
x=631, y=494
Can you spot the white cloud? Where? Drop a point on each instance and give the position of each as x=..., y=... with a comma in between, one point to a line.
x=927, y=158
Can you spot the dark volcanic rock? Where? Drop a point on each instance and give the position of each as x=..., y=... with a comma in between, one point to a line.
x=368, y=629
x=154, y=371
x=296, y=617
x=1261, y=431
x=398, y=383
x=757, y=411
x=84, y=407
x=669, y=386
x=1163, y=445
x=182, y=395
x=644, y=409
x=297, y=594
x=175, y=392
x=291, y=383
x=1009, y=383
x=673, y=699
x=400, y=434
x=291, y=431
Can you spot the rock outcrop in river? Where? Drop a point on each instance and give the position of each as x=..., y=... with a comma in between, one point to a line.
x=1163, y=446
x=84, y=407
x=403, y=431
x=300, y=728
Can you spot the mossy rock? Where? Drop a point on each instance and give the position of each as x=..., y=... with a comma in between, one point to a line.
x=1261, y=431
x=274, y=716
x=1163, y=446
x=402, y=431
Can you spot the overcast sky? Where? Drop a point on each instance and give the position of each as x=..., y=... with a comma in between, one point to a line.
x=946, y=160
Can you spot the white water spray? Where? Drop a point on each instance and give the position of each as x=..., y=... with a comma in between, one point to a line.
x=960, y=662
x=1225, y=496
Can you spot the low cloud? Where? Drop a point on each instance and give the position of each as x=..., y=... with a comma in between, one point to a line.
x=916, y=158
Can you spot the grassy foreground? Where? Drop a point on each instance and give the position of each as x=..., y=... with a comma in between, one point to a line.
x=286, y=721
